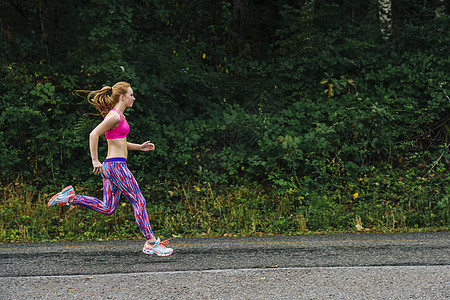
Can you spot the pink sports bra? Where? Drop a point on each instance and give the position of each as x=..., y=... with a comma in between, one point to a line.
x=120, y=131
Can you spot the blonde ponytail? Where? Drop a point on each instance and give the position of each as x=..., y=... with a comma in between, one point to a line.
x=107, y=97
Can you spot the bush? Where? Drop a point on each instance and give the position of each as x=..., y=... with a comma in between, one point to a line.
x=302, y=106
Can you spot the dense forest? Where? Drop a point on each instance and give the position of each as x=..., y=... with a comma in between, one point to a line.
x=267, y=116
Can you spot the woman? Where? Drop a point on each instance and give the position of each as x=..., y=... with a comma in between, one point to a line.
x=117, y=179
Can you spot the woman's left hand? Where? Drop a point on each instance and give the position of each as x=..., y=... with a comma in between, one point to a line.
x=147, y=146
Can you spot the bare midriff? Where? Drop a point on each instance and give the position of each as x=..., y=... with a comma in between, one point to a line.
x=117, y=148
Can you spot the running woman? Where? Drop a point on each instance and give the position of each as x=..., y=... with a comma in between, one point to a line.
x=117, y=178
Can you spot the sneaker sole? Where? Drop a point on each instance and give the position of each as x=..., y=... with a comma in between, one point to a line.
x=158, y=254
x=54, y=196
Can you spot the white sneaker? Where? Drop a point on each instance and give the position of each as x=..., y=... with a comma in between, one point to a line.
x=63, y=197
x=158, y=248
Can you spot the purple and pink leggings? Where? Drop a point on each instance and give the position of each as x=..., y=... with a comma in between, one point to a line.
x=118, y=180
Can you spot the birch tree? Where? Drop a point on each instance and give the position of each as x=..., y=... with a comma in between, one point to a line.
x=385, y=18
x=439, y=11
x=309, y=5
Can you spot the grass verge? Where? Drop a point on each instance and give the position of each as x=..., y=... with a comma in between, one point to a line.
x=394, y=203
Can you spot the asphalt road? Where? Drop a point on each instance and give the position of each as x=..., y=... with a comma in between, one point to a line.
x=363, y=266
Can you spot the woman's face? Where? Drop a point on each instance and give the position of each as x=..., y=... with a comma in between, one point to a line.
x=129, y=97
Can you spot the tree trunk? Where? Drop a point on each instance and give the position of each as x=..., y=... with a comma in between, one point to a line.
x=309, y=5
x=240, y=12
x=439, y=11
x=385, y=17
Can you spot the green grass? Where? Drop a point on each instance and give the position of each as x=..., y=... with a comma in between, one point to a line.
x=378, y=202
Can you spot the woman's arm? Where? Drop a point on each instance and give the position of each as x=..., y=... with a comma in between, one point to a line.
x=109, y=122
x=147, y=146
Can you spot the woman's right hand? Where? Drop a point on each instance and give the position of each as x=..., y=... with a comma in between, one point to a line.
x=98, y=167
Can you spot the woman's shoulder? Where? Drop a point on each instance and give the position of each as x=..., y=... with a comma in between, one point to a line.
x=114, y=113
x=113, y=116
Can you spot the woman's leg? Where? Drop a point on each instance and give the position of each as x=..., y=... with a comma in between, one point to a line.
x=124, y=181
x=107, y=205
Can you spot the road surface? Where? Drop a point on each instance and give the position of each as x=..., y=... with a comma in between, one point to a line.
x=361, y=266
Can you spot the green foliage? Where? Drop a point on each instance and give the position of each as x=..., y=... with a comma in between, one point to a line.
x=381, y=199
x=299, y=101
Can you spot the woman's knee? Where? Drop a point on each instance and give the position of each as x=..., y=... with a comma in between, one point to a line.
x=139, y=203
x=109, y=211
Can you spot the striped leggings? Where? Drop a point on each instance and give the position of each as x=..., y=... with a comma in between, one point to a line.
x=117, y=180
